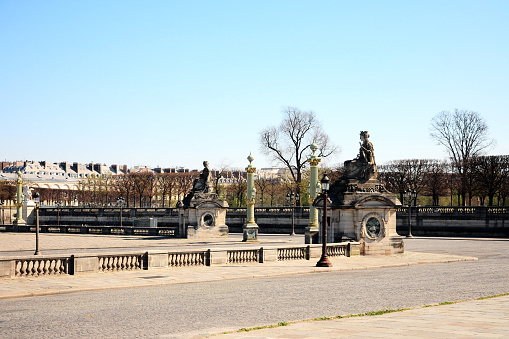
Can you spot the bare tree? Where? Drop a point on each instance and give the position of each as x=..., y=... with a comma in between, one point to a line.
x=289, y=142
x=237, y=188
x=185, y=183
x=436, y=180
x=464, y=134
x=262, y=186
x=489, y=174
x=222, y=172
x=394, y=176
x=166, y=186
x=143, y=184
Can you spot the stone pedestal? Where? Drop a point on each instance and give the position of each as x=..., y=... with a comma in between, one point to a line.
x=311, y=235
x=28, y=212
x=204, y=217
x=250, y=232
x=365, y=211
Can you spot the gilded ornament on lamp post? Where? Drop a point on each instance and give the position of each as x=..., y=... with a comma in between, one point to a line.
x=314, y=186
x=250, y=228
x=19, y=201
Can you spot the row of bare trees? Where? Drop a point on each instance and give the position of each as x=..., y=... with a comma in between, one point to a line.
x=484, y=177
x=138, y=189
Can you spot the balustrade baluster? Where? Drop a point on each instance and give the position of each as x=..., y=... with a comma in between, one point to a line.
x=30, y=268
x=45, y=267
x=18, y=268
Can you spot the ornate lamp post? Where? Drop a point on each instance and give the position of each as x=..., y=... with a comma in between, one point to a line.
x=120, y=201
x=312, y=227
x=324, y=260
x=58, y=203
x=250, y=229
x=19, y=201
x=411, y=195
x=36, y=197
x=3, y=219
x=292, y=200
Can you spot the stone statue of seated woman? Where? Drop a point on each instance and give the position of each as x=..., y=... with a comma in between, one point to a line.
x=364, y=166
x=201, y=185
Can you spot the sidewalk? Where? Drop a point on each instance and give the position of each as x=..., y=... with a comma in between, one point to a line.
x=487, y=318
x=33, y=286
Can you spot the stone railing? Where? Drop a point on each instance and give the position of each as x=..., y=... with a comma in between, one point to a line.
x=107, y=230
x=39, y=267
x=291, y=253
x=455, y=210
x=181, y=259
x=115, y=262
x=336, y=250
x=243, y=256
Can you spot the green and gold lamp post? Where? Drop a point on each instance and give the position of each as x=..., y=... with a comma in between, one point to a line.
x=250, y=228
x=314, y=187
x=19, y=201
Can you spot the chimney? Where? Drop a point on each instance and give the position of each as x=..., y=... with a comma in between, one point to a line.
x=76, y=167
x=64, y=166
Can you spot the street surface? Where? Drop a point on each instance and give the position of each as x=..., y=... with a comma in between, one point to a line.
x=192, y=309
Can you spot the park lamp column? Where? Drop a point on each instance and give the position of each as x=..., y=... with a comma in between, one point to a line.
x=37, y=199
x=312, y=227
x=411, y=195
x=324, y=260
x=120, y=201
x=19, y=201
x=250, y=229
x=2, y=204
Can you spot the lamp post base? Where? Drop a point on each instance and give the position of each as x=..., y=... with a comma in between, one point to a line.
x=250, y=233
x=324, y=262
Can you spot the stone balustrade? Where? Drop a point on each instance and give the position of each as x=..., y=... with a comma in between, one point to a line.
x=58, y=265
x=41, y=266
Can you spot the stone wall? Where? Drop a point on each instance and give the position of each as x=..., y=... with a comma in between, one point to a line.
x=479, y=221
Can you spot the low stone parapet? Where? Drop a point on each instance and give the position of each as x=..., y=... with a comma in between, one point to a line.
x=57, y=265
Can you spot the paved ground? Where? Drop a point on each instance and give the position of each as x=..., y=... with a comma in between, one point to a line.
x=487, y=318
x=196, y=302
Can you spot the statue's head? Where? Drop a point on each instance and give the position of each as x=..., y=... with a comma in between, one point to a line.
x=206, y=164
x=364, y=135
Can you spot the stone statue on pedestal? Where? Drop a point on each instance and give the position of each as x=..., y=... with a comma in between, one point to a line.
x=203, y=214
x=201, y=186
x=364, y=166
x=361, y=207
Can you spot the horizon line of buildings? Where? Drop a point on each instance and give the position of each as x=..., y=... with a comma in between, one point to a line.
x=64, y=175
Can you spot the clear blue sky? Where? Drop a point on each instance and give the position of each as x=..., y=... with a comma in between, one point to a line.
x=173, y=83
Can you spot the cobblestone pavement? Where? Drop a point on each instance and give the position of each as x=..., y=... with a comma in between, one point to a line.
x=184, y=303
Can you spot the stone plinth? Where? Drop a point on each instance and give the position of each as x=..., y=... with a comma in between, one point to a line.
x=365, y=211
x=205, y=217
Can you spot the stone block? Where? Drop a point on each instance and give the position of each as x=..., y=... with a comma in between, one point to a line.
x=7, y=268
x=216, y=257
x=314, y=251
x=157, y=260
x=268, y=254
x=83, y=265
x=353, y=249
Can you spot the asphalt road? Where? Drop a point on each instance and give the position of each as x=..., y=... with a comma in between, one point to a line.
x=187, y=310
